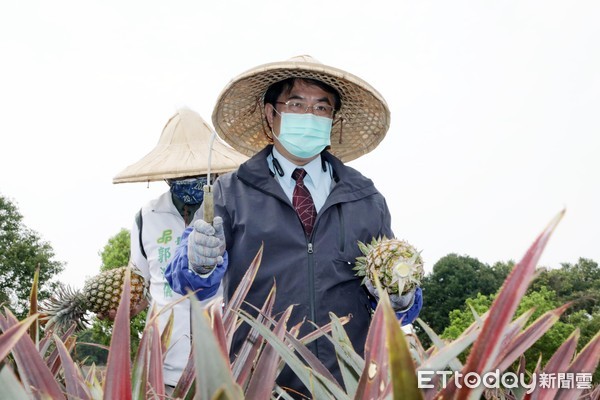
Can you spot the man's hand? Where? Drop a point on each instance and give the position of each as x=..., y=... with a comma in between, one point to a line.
x=206, y=245
x=403, y=302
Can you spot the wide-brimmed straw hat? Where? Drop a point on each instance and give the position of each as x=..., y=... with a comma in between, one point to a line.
x=183, y=150
x=359, y=126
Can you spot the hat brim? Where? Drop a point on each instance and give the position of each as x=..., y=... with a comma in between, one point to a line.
x=184, y=149
x=359, y=126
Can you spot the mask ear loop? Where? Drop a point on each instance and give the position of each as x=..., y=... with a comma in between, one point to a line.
x=341, y=122
x=263, y=119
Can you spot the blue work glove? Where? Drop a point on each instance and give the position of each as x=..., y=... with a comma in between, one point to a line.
x=408, y=312
x=206, y=246
x=182, y=279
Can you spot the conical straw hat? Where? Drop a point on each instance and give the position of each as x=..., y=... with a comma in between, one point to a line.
x=183, y=150
x=359, y=126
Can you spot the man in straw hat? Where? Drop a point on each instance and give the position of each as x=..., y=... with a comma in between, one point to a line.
x=299, y=120
x=181, y=158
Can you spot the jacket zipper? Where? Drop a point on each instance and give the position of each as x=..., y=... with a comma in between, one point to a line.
x=311, y=294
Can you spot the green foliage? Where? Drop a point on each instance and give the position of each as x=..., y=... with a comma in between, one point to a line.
x=453, y=280
x=100, y=333
x=87, y=349
x=579, y=282
x=460, y=319
x=21, y=251
x=542, y=301
x=115, y=253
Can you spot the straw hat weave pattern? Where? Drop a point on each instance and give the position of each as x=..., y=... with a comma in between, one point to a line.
x=359, y=126
x=183, y=150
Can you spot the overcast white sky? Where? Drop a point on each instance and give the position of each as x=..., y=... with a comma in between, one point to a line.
x=495, y=110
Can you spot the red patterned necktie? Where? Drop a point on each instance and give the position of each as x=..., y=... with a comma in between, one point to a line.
x=303, y=202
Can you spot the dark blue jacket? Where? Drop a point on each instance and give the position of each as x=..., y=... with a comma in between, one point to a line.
x=314, y=273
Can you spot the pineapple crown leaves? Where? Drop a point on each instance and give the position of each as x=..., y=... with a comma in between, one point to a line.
x=365, y=248
x=404, y=272
x=64, y=308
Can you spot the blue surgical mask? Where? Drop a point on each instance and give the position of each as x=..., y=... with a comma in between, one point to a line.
x=304, y=135
x=190, y=191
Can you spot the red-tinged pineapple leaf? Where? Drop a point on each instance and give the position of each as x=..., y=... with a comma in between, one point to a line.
x=33, y=371
x=92, y=379
x=511, y=332
x=374, y=378
x=350, y=362
x=183, y=389
x=519, y=391
x=444, y=354
x=529, y=336
x=34, y=330
x=52, y=361
x=168, y=328
x=263, y=379
x=76, y=387
x=319, y=386
x=13, y=334
x=139, y=371
x=155, y=369
x=478, y=323
x=318, y=332
x=167, y=333
x=559, y=363
x=244, y=362
x=117, y=384
x=214, y=310
x=586, y=363
x=429, y=388
x=483, y=355
x=235, y=302
x=213, y=373
x=402, y=367
x=312, y=360
x=344, y=344
x=243, y=365
x=534, y=395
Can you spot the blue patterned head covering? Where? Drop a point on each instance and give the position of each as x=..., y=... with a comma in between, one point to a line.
x=188, y=190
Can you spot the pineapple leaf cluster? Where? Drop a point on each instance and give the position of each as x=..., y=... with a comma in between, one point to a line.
x=389, y=369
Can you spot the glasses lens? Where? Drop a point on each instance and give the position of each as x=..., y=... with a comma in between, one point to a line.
x=322, y=110
x=296, y=107
x=299, y=107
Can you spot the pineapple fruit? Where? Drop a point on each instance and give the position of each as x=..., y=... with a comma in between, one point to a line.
x=100, y=294
x=396, y=263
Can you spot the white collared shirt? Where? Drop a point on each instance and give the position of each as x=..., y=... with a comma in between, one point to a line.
x=317, y=181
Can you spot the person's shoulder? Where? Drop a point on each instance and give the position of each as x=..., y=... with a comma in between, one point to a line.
x=226, y=178
x=345, y=172
x=254, y=168
x=158, y=203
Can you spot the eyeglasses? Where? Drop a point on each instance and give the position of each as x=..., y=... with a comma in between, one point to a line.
x=299, y=107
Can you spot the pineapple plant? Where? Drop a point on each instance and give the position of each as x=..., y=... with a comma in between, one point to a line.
x=386, y=372
x=396, y=263
x=100, y=294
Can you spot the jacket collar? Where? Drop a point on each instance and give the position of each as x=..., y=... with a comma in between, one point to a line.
x=350, y=184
